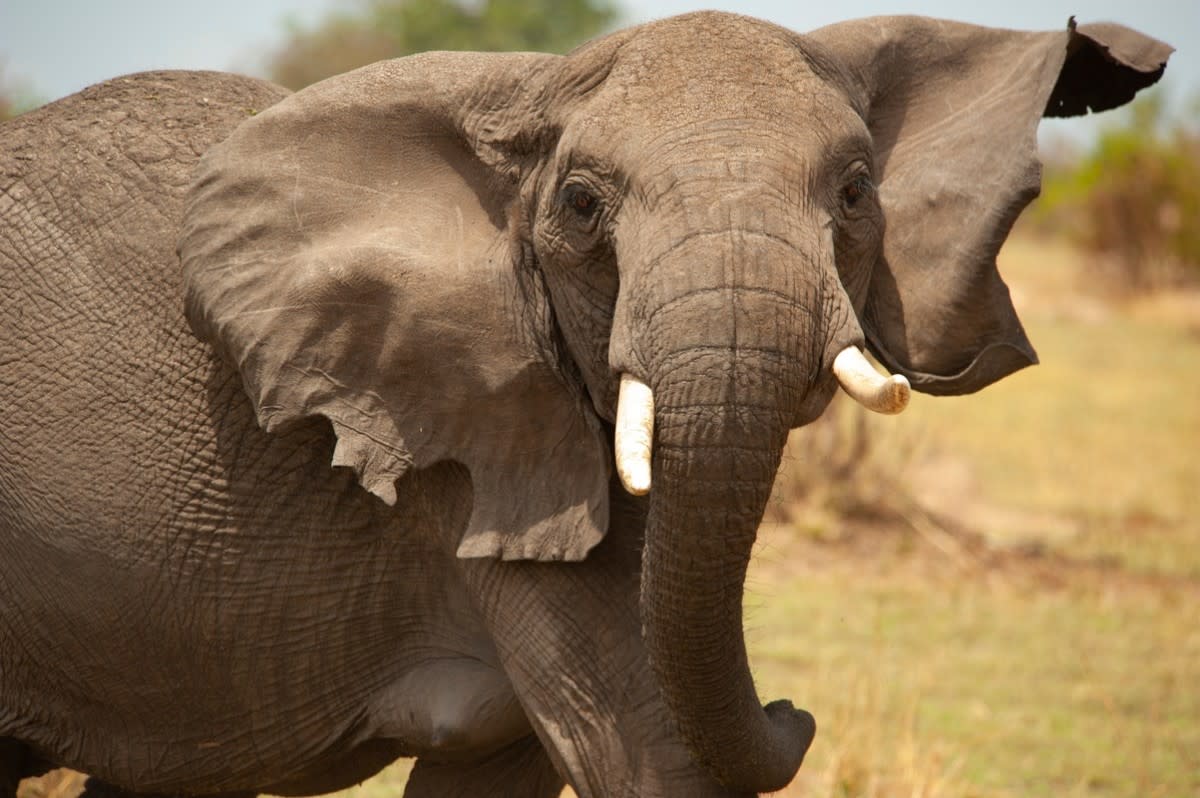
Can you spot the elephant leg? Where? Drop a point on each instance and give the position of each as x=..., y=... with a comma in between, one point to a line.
x=12, y=761
x=519, y=770
x=569, y=639
x=17, y=763
x=94, y=788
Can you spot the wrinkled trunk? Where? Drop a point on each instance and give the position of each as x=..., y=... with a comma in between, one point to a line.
x=734, y=330
x=710, y=491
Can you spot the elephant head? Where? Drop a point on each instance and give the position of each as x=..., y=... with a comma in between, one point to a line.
x=463, y=256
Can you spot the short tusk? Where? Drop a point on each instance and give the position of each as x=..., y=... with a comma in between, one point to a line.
x=634, y=435
x=867, y=386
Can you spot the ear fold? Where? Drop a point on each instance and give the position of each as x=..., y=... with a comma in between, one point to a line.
x=953, y=110
x=348, y=250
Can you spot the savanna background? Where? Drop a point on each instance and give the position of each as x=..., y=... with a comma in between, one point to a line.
x=993, y=595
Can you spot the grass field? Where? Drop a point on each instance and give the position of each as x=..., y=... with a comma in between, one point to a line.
x=1030, y=625
x=1000, y=594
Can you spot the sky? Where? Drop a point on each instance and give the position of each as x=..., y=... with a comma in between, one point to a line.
x=55, y=47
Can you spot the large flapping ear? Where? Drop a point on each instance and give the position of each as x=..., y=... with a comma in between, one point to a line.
x=348, y=250
x=953, y=110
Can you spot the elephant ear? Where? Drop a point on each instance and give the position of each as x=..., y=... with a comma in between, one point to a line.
x=348, y=250
x=953, y=110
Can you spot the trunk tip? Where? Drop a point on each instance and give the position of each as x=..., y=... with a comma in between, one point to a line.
x=794, y=729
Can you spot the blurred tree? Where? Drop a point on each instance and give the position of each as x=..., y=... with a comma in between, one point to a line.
x=375, y=29
x=1134, y=197
x=15, y=96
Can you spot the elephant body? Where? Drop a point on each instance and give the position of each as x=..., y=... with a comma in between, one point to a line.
x=313, y=634
x=307, y=601
x=431, y=274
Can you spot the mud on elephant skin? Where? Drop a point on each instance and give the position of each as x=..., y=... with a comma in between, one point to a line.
x=451, y=277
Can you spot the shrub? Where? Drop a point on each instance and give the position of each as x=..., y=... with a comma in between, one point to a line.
x=1133, y=199
x=362, y=31
x=842, y=467
x=16, y=97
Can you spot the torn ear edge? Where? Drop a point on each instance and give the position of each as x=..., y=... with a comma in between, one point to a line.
x=1093, y=50
x=953, y=340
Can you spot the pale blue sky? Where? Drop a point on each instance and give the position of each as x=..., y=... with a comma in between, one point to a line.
x=60, y=46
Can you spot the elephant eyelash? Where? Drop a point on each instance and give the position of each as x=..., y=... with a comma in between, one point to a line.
x=580, y=201
x=857, y=189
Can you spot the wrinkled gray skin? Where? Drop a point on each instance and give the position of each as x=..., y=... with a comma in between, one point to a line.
x=431, y=272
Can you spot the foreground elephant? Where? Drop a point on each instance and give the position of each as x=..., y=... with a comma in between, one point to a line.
x=435, y=273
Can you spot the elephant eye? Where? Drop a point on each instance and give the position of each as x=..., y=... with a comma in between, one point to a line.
x=856, y=189
x=581, y=201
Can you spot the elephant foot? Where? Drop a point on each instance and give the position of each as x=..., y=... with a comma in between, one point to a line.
x=519, y=770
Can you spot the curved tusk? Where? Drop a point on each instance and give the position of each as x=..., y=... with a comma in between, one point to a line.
x=634, y=434
x=867, y=386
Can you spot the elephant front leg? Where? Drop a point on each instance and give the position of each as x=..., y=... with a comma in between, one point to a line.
x=520, y=770
x=95, y=788
x=569, y=638
x=12, y=760
x=17, y=763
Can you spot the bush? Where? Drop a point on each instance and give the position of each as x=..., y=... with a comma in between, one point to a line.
x=15, y=95
x=843, y=467
x=363, y=31
x=1133, y=199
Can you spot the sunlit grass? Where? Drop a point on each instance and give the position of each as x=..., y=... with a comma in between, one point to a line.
x=1108, y=424
x=984, y=686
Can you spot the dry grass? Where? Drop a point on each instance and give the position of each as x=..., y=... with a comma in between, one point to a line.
x=1103, y=434
x=989, y=681
x=1058, y=652
x=845, y=466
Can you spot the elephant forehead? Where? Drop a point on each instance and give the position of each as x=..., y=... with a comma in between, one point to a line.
x=714, y=83
x=710, y=62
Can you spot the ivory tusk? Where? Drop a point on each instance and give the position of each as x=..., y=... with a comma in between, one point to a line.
x=634, y=434
x=868, y=387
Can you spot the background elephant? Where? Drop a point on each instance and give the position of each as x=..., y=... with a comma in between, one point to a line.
x=451, y=260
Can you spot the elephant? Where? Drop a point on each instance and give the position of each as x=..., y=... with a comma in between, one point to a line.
x=431, y=411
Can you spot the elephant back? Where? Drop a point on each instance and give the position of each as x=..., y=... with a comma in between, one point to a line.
x=133, y=476
x=101, y=368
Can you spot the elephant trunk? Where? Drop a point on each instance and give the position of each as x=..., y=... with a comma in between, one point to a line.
x=734, y=332
x=732, y=369
x=710, y=490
